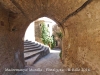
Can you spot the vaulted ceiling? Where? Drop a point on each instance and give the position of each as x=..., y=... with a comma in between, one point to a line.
x=59, y=9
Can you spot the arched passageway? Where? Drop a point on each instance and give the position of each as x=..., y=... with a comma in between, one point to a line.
x=35, y=47
x=79, y=21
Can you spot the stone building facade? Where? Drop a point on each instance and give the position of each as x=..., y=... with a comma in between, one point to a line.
x=58, y=39
x=38, y=25
x=52, y=28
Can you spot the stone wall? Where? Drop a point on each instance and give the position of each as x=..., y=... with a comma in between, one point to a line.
x=81, y=40
x=58, y=40
x=11, y=43
x=38, y=31
x=83, y=44
x=4, y=44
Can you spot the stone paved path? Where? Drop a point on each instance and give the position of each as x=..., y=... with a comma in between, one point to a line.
x=50, y=65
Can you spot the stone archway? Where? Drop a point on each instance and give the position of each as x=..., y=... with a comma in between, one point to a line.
x=27, y=46
x=80, y=17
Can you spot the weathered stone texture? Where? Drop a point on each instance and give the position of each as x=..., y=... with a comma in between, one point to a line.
x=50, y=8
x=38, y=31
x=3, y=35
x=11, y=44
x=9, y=6
x=83, y=40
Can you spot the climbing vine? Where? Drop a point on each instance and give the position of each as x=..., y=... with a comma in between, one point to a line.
x=45, y=36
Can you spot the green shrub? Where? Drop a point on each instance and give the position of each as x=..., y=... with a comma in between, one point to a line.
x=60, y=54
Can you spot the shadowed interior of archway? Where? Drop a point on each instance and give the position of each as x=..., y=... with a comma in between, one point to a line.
x=79, y=22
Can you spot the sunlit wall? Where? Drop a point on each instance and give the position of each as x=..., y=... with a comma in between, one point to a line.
x=30, y=33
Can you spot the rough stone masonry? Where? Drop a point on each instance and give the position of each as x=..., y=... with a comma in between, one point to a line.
x=78, y=19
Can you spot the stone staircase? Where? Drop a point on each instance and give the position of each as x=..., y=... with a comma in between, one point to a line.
x=33, y=51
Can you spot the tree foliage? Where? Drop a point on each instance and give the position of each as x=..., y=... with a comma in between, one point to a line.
x=53, y=43
x=45, y=36
x=59, y=34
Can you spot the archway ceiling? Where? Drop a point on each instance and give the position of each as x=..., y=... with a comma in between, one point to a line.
x=57, y=9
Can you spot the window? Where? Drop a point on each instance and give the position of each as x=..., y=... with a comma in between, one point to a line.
x=40, y=24
x=48, y=25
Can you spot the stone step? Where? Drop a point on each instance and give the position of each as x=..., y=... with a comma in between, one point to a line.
x=28, y=41
x=31, y=43
x=25, y=44
x=31, y=46
x=33, y=49
x=28, y=45
x=31, y=61
x=44, y=52
x=31, y=54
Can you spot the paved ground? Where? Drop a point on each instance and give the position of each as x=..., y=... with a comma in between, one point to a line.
x=49, y=65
